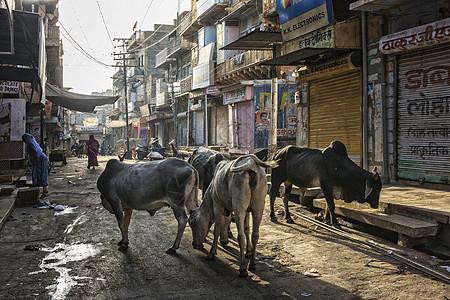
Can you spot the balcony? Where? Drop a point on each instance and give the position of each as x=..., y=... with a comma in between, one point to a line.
x=188, y=27
x=135, y=74
x=186, y=85
x=209, y=11
x=136, y=38
x=244, y=66
x=162, y=59
x=177, y=47
x=270, y=10
x=52, y=37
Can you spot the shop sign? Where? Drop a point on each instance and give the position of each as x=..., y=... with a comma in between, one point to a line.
x=338, y=65
x=322, y=38
x=9, y=87
x=212, y=90
x=299, y=17
x=234, y=96
x=434, y=33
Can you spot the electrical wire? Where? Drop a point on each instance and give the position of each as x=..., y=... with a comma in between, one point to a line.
x=81, y=28
x=148, y=8
x=79, y=47
x=104, y=23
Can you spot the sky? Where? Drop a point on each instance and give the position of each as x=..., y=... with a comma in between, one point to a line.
x=81, y=22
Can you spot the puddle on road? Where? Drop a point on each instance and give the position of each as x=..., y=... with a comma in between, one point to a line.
x=62, y=254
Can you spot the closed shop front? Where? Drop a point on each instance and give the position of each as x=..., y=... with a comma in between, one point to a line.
x=423, y=144
x=335, y=110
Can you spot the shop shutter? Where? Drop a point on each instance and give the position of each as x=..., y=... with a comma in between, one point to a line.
x=335, y=112
x=423, y=132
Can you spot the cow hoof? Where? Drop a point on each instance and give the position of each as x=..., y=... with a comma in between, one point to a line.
x=171, y=251
x=224, y=243
x=290, y=221
x=337, y=226
x=210, y=257
x=252, y=267
x=123, y=248
x=243, y=273
x=273, y=219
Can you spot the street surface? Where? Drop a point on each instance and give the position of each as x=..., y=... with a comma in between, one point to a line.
x=72, y=254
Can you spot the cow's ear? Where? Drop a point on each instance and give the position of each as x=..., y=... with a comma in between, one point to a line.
x=368, y=189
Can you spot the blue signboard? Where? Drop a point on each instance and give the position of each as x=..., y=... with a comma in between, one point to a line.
x=298, y=17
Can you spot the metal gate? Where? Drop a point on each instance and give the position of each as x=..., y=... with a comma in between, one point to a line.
x=423, y=144
x=335, y=112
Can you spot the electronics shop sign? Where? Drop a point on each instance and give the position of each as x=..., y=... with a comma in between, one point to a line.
x=298, y=17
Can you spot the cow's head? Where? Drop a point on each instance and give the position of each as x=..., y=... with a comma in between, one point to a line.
x=200, y=225
x=372, y=189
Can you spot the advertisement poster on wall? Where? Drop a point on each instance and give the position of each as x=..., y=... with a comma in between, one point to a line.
x=262, y=98
x=286, y=115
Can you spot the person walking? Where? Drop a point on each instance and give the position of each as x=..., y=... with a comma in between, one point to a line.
x=39, y=162
x=92, y=146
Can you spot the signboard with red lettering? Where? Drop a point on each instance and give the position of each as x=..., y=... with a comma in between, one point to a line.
x=417, y=37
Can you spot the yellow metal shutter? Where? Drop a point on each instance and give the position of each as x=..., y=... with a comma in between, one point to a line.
x=335, y=113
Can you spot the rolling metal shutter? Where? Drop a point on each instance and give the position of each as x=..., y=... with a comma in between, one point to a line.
x=335, y=113
x=423, y=142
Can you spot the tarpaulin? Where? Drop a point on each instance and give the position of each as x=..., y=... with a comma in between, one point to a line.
x=74, y=101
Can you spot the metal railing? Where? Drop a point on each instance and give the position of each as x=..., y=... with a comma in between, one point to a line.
x=245, y=59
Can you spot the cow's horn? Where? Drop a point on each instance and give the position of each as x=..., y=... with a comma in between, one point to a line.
x=368, y=189
x=374, y=170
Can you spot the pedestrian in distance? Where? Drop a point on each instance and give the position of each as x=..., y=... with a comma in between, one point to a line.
x=39, y=162
x=92, y=147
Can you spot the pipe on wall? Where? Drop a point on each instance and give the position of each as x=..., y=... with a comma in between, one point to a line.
x=365, y=107
x=384, y=108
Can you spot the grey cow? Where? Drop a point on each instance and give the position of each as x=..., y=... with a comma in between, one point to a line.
x=329, y=168
x=239, y=187
x=149, y=186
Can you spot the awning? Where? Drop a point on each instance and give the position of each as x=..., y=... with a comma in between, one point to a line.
x=255, y=40
x=74, y=101
x=305, y=56
x=27, y=64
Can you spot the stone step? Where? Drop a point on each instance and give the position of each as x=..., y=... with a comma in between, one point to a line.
x=6, y=189
x=418, y=209
x=403, y=225
x=6, y=206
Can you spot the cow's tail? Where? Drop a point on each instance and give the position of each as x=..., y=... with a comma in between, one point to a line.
x=251, y=163
x=192, y=194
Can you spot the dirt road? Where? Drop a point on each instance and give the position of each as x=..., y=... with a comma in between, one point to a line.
x=72, y=254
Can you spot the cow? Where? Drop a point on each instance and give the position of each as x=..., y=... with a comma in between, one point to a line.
x=205, y=160
x=149, y=186
x=239, y=187
x=331, y=169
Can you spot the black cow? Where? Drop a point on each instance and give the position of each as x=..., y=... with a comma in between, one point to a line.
x=331, y=169
x=149, y=186
x=205, y=160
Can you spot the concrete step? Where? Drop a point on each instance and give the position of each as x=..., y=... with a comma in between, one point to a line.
x=413, y=228
x=6, y=206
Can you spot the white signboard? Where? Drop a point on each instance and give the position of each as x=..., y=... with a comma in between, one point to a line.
x=421, y=36
x=9, y=87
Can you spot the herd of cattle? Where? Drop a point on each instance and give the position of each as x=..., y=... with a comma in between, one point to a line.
x=231, y=188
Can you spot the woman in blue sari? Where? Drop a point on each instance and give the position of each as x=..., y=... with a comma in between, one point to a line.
x=39, y=161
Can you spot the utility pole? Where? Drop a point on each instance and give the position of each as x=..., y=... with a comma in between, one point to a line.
x=124, y=62
x=174, y=107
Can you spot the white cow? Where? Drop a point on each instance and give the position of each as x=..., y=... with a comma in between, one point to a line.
x=238, y=186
